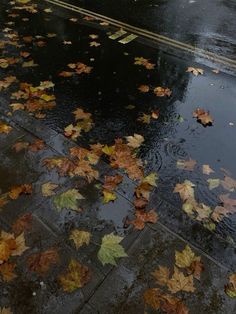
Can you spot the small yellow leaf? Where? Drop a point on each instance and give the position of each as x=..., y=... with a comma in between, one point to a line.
x=80, y=237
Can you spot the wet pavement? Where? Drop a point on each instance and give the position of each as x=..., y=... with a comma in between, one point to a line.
x=104, y=81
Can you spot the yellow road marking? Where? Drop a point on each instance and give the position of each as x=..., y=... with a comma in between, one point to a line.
x=150, y=35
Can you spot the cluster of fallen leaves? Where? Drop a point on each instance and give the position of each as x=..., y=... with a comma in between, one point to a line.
x=158, y=91
x=187, y=267
x=144, y=62
x=199, y=211
x=14, y=193
x=84, y=123
x=36, y=146
x=76, y=68
x=36, y=99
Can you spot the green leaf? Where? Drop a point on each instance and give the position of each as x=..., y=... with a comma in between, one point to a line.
x=111, y=249
x=68, y=200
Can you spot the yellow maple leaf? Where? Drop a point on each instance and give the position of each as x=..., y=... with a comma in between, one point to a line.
x=80, y=237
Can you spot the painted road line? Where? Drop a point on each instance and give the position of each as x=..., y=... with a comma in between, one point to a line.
x=150, y=35
x=128, y=39
x=118, y=34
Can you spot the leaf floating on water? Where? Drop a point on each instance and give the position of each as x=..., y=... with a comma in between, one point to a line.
x=213, y=183
x=195, y=71
x=206, y=169
x=203, y=117
x=186, y=164
x=68, y=200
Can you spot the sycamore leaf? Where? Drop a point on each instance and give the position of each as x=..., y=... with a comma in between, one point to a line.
x=152, y=297
x=20, y=245
x=68, y=200
x=186, y=164
x=111, y=182
x=230, y=288
x=144, y=88
x=142, y=217
x=135, y=141
x=7, y=272
x=4, y=128
x=185, y=258
x=80, y=237
x=180, y=282
x=151, y=179
x=108, y=196
x=203, y=117
x=213, y=183
x=111, y=249
x=185, y=190
x=228, y=183
x=161, y=91
x=195, y=71
x=162, y=275
x=23, y=223
x=206, y=169
x=48, y=189
x=76, y=276
x=42, y=261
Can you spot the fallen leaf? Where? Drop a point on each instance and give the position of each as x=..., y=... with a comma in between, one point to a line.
x=80, y=237
x=145, y=118
x=162, y=275
x=220, y=212
x=144, y=88
x=230, y=288
x=228, y=202
x=68, y=200
x=5, y=128
x=48, y=189
x=76, y=276
x=228, y=183
x=94, y=44
x=152, y=297
x=23, y=223
x=20, y=245
x=185, y=190
x=37, y=145
x=180, y=282
x=213, y=183
x=203, y=117
x=186, y=164
x=7, y=272
x=161, y=91
x=144, y=62
x=111, y=249
x=42, y=261
x=206, y=169
x=17, y=106
x=142, y=217
x=185, y=258
x=135, y=141
x=111, y=182
x=151, y=179
x=195, y=71
x=16, y=191
x=108, y=196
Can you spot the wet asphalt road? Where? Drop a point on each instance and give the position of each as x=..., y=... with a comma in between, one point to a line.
x=175, y=135
x=205, y=24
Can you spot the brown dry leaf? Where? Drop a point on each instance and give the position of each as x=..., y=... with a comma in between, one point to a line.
x=7, y=81
x=195, y=71
x=80, y=114
x=230, y=288
x=80, y=237
x=5, y=310
x=66, y=74
x=203, y=211
x=16, y=191
x=37, y=145
x=5, y=128
x=76, y=276
x=140, y=203
x=3, y=200
x=144, y=62
x=143, y=190
x=228, y=183
x=152, y=297
x=141, y=217
x=162, y=275
x=173, y=305
x=17, y=106
x=144, y=88
x=41, y=262
x=219, y=213
x=20, y=245
x=23, y=223
x=186, y=164
x=111, y=182
x=48, y=189
x=155, y=114
x=24, y=54
x=228, y=202
x=196, y=268
x=206, y=169
x=135, y=141
x=185, y=190
x=203, y=117
x=7, y=272
x=161, y=91
x=19, y=146
x=180, y=282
